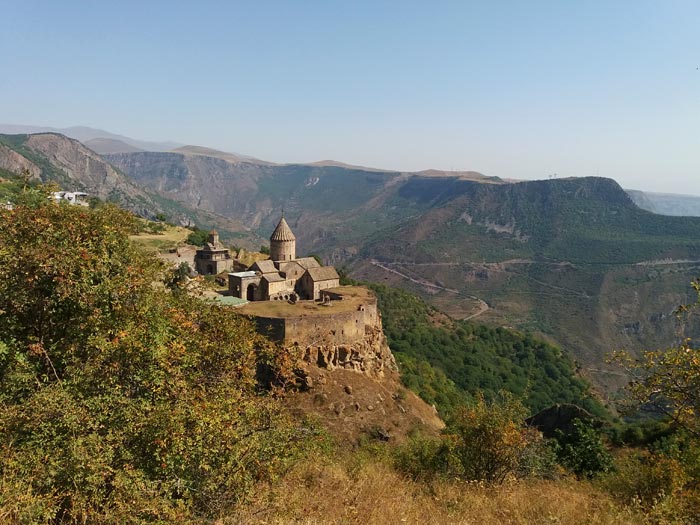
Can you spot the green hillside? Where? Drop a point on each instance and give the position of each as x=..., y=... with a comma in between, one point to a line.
x=466, y=358
x=586, y=221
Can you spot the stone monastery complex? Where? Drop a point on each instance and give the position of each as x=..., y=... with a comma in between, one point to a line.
x=283, y=276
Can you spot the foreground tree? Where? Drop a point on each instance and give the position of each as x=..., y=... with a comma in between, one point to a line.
x=669, y=380
x=666, y=476
x=120, y=401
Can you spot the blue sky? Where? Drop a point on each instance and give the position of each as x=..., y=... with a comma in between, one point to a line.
x=515, y=89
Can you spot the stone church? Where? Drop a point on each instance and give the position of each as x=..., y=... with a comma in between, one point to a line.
x=283, y=276
x=213, y=258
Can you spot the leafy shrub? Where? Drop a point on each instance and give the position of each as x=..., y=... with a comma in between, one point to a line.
x=538, y=459
x=487, y=440
x=582, y=451
x=198, y=237
x=120, y=401
x=645, y=478
x=484, y=441
x=421, y=458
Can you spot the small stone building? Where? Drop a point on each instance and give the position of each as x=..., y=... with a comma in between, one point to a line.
x=213, y=258
x=315, y=280
x=283, y=276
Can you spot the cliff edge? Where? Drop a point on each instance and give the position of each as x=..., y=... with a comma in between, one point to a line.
x=348, y=376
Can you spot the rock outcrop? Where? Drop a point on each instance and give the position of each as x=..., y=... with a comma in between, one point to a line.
x=15, y=163
x=370, y=355
x=347, y=375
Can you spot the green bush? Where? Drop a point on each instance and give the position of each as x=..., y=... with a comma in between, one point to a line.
x=198, y=237
x=421, y=458
x=119, y=401
x=582, y=451
x=485, y=441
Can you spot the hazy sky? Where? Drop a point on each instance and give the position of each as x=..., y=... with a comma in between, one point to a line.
x=520, y=89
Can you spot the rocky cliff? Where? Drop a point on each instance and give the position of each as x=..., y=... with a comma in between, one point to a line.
x=348, y=377
x=51, y=157
x=369, y=355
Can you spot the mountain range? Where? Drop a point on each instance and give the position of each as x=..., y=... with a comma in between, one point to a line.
x=575, y=260
x=52, y=157
x=85, y=134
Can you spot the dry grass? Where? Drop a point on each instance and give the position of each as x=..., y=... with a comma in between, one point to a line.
x=374, y=493
x=172, y=237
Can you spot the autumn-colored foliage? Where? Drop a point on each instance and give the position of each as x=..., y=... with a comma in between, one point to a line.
x=667, y=382
x=484, y=441
x=120, y=401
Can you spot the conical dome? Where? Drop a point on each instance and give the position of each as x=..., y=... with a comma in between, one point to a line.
x=283, y=232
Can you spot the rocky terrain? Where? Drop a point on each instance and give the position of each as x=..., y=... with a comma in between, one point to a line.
x=52, y=157
x=347, y=375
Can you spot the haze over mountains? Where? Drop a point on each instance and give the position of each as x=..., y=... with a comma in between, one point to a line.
x=107, y=143
x=573, y=259
x=84, y=134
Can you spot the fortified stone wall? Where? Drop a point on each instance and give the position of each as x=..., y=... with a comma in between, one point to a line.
x=351, y=340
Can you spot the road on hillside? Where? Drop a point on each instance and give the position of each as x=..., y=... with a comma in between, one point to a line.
x=483, y=306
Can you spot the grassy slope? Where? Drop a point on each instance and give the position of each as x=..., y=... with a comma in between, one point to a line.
x=170, y=237
x=368, y=493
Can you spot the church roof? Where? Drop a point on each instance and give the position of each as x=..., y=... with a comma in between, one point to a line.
x=264, y=266
x=283, y=232
x=323, y=273
x=307, y=262
x=273, y=277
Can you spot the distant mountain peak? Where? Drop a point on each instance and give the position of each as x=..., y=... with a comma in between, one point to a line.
x=224, y=155
x=105, y=146
x=85, y=133
x=338, y=164
x=463, y=175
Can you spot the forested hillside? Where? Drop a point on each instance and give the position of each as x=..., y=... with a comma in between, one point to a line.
x=466, y=358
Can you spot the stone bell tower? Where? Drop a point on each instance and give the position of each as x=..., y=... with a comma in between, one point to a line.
x=283, y=243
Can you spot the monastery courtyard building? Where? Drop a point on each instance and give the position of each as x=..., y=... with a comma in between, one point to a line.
x=283, y=276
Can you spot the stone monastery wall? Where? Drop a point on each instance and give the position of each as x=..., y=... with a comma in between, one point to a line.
x=327, y=329
x=349, y=338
